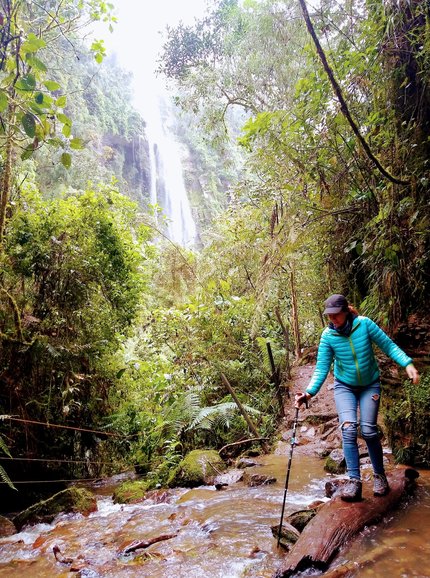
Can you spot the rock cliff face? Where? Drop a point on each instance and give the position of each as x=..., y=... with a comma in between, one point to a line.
x=130, y=159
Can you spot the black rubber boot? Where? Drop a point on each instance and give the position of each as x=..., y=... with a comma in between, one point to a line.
x=351, y=491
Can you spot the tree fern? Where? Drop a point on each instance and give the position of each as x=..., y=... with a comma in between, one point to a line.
x=209, y=417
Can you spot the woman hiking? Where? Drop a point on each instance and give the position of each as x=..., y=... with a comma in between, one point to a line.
x=348, y=341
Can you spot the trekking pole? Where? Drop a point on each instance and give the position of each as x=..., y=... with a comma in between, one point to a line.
x=293, y=443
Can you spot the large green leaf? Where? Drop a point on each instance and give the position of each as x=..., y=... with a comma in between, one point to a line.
x=76, y=143
x=66, y=160
x=28, y=121
x=52, y=85
x=36, y=63
x=33, y=43
x=26, y=83
x=61, y=102
x=28, y=152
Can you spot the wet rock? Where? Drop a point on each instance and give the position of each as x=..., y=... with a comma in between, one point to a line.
x=197, y=468
x=333, y=487
x=322, y=452
x=230, y=477
x=69, y=500
x=300, y=518
x=131, y=491
x=246, y=463
x=289, y=534
x=335, y=462
x=253, y=480
x=7, y=528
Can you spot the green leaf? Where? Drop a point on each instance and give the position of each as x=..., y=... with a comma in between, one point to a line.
x=66, y=160
x=64, y=118
x=61, y=102
x=76, y=144
x=52, y=85
x=26, y=83
x=3, y=101
x=29, y=123
x=66, y=130
x=28, y=152
x=36, y=63
x=39, y=98
x=55, y=142
x=33, y=43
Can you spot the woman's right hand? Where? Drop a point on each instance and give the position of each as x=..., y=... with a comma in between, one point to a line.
x=413, y=374
x=300, y=398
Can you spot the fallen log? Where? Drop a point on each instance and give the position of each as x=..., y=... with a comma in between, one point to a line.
x=337, y=522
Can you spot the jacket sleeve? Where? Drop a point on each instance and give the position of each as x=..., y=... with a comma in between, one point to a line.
x=324, y=361
x=387, y=345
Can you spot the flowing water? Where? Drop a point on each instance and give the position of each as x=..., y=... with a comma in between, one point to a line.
x=225, y=534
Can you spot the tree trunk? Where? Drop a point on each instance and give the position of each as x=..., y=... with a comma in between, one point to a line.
x=337, y=522
x=295, y=314
x=286, y=334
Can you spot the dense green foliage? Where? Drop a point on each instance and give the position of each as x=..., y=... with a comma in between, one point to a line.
x=372, y=234
x=408, y=420
x=72, y=281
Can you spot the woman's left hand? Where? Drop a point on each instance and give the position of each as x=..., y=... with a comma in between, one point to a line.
x=413, y=374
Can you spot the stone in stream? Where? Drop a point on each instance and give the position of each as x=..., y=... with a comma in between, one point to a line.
x=335, y=462
x=300, y=518
x=289, y=534
x=231, y=477
x=69, y=500
x=253, y=480
x=199, y=467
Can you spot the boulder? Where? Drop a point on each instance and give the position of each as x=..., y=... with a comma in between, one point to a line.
x=69, y=500
x=199, y=467
x=131, y=491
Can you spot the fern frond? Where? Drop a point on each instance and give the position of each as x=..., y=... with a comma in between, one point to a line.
x=4, y=447
x=262, y=346
x=5, y=478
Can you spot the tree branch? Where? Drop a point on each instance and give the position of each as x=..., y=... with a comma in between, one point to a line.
x=343, y=105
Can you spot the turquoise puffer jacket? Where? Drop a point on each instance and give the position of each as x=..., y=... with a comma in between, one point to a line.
x=354, y=359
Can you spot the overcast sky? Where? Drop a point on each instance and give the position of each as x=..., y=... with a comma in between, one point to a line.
x=136, y=38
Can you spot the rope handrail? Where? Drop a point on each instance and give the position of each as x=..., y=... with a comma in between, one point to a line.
x=48, y=460
x=47, y=424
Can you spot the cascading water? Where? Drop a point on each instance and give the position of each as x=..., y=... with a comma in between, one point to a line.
x=167, y=181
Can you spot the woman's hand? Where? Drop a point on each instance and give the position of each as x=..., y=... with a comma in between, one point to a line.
x=413, y=374
x=301, y=397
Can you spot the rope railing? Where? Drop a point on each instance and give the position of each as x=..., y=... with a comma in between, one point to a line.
x=47, y=424
x=59, y=460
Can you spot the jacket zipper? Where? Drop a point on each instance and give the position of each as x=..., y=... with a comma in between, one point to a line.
x=355, y=359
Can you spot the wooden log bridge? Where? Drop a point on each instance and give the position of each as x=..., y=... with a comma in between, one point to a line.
x=337, y=522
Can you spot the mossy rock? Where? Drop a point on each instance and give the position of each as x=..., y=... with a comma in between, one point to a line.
x=199, y=467
x=335, y=462
x=7, y=528
x=132, y=491
x=67, y=501
x=289, y=535
x=301, y=518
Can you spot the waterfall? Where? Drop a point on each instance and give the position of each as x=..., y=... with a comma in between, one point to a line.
x=167, y=180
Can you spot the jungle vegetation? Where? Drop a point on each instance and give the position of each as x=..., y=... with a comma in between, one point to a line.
x=308, y=130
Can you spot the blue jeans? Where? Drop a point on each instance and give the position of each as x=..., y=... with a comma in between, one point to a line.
x=348, y=400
